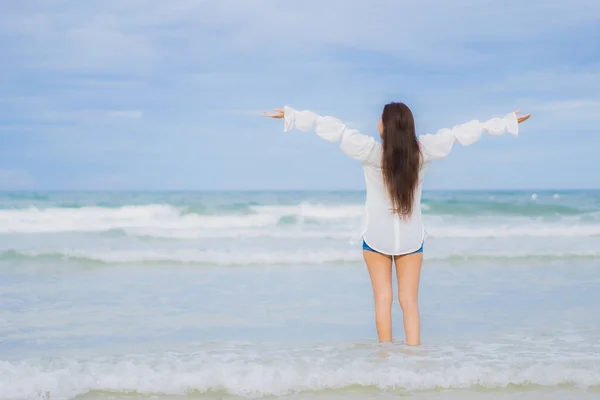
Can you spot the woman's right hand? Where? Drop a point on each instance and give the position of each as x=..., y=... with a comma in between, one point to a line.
x=278, y=114
x=522, y=118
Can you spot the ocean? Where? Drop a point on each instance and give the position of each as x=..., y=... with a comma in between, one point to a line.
x=235, y=295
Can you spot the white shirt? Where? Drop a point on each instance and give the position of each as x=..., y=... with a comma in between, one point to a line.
x=384, y=231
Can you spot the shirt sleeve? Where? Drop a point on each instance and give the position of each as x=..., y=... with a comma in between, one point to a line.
x=437, y=146
x=352, y=142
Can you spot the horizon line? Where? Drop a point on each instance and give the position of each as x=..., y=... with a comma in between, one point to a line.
x=287, y=190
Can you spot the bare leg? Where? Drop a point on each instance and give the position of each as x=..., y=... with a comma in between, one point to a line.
x=380, y=271
x=408, y=271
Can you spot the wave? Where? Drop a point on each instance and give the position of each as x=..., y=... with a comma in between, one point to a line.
x=437, y=229
x=283, y=373
x=198, y=257
x=304, y=220
x=498, y=229
x=162, y=217
x=464, y=207
x=273, y=258
x=313, y=211
x=235, y=233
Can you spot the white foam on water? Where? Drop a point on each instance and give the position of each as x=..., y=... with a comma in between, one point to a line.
x=252, y=373
x=292, y=232
x=94, y=219
x=312, y=211
x=276, y=257
x=294, y=257
x=499, y=229
x=307, y=221
x=436, y=228
x=160, y=218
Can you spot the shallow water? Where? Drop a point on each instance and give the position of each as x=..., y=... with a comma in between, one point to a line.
x=224, y=296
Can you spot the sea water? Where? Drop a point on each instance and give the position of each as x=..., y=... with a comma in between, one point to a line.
x=261, y=295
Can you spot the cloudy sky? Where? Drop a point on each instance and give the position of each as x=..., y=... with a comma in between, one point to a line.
x=154, y=94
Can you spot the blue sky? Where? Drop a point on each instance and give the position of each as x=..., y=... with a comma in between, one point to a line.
x=153, y=94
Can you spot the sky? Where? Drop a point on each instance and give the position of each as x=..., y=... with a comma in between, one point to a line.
x=168, y=95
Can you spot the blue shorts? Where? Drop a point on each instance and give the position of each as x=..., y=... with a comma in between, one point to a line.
x=368, y=248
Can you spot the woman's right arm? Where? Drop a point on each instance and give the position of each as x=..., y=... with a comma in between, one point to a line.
x=352, y=142
x=439, y=145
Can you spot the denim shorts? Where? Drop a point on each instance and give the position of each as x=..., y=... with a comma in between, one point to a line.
x=366, y=247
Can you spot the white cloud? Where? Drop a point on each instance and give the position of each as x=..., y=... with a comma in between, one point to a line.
x=545, y=80
x=127, y=114
x=248, y=113
x=553, y=95
x=83, y=117
x=574, y=114
x=570, y=105
x=90, y=73
x=141, y=35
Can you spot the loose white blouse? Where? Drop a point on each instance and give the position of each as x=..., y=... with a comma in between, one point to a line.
x=382, y=230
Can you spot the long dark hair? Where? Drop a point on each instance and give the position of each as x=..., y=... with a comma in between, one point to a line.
x=401, y=160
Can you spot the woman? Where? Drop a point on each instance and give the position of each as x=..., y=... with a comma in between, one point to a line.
x=394, y=170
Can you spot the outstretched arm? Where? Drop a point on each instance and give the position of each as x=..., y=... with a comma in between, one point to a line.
x=352, y=142
x=437, y=146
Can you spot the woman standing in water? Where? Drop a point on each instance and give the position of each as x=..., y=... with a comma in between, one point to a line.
x=394, y=171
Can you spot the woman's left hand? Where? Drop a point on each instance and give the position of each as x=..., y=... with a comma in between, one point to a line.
x=278, y=114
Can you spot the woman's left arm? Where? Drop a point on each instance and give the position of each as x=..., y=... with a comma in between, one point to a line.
x=352, y=142
x=439, y=145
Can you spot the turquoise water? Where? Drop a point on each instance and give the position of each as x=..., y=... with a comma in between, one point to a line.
x=252, y=295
